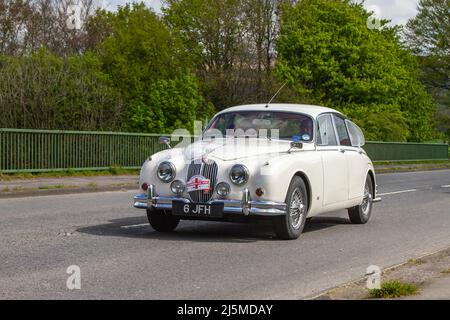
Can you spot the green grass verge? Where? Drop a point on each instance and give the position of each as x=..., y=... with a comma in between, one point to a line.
x=121, y=171
x=57, y=186
x=390, y=163
x=68, y=173
x=91, y=185
x=446, y=271
x=415, y=261
x=405, y=166
x=393, y=289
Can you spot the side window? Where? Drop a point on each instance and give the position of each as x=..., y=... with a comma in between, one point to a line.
x=356, y=134
x=341, y=129
x=327, y=135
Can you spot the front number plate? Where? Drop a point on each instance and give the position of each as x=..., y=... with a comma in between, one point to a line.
x=197, y=210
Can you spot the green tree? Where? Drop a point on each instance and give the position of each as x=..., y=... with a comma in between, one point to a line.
x=212, y=31
x=140, y=50
x=148, y=63
x=233, y=45
x=171, y=104
x=428, y=35
x=329, y=54
x=43, y=91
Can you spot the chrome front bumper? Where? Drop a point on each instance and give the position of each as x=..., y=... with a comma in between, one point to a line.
x=376, y=200
x=240, y=207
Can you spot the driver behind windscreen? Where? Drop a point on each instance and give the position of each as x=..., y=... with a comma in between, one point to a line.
x=306, y=129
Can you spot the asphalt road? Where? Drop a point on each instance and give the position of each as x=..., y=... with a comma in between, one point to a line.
x=120, y=256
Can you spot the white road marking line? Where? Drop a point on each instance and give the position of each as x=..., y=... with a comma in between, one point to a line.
x=447, y=186
x=398, y=192
x=135, y=226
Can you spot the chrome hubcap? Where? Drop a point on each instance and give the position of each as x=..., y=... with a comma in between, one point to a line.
x=296, y=209
x=367, y=200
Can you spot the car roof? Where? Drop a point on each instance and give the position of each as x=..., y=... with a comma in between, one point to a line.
x=310, y=110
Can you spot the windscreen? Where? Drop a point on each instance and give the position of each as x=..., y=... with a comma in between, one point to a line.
x=263, y=123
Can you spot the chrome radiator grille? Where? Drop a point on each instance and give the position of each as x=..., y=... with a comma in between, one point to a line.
x=208, y=170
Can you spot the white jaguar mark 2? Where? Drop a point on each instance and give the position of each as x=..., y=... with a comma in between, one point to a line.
x=279, y=162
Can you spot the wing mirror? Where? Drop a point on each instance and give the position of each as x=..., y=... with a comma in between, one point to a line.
x=296, y=143
x=165, y=141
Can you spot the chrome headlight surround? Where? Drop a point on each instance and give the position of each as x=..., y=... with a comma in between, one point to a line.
x=178, y=187
x=166, y=171
x=223, y=190
x=239, y=174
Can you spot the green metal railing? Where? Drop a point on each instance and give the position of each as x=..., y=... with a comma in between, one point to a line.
x=44, y=150
x=399, y=151
x=48, y=150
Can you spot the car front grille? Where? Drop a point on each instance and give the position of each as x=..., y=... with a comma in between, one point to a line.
x=207, y=169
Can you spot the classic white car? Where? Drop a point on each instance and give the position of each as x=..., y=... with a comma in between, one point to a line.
x=279, y=162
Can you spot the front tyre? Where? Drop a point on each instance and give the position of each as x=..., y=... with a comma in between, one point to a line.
x=290, y=226
x=361, y=214
x=161, y=221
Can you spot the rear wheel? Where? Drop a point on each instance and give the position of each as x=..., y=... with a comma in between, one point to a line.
x=361, y=214
x=161, y=221
x=290, y=226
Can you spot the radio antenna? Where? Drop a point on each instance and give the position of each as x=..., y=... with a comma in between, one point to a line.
x=276, y=94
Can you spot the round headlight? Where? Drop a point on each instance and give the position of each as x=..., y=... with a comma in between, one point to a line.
x=239, y=174
x=223, y=190
x=166, y=171
x=177, y=187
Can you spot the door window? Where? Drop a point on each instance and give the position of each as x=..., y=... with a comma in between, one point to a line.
x=356, y=134
x=341, y=128
x=327, y=135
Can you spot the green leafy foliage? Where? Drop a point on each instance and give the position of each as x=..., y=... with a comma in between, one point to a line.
x=171, y=105
x=135, y=70
x=140, y=51
x=428, y=35
x=232, y=43
x=43, y=91
x=328, y=53
x=150, y=68
x=379, y=121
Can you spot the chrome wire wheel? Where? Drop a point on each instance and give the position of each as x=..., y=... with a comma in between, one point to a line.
x=367, y=200
x=290, y=225
x=361, y=214
x=296, y=209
